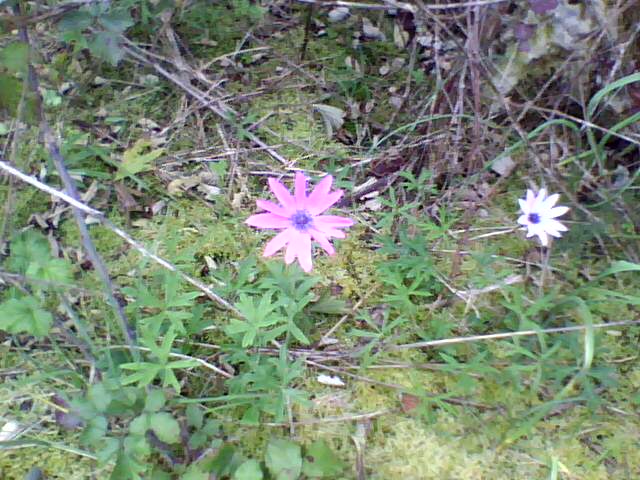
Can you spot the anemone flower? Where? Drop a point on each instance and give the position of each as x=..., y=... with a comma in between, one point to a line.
x=299, y=217
x=539, y=215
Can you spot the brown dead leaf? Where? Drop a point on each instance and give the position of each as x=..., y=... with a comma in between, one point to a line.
x=409, y=402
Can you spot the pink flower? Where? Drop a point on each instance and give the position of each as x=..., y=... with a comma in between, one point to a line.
x=299, y=218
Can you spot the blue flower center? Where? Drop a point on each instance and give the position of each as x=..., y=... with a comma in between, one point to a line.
x=301, y=220
x=534, y=218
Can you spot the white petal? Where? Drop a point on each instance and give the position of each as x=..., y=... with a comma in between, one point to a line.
x=551, y=224
x=542, y=194
x=524, y=206
x=523, y=219
x=550, y=202
x=557, y=212
x=544, y=239
x=530, y=197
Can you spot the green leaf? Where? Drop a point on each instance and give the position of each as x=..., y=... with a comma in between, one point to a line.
x=116, y=21
x=222, y=464
x=139, y=425
x=165, y=427
x=108, y=449
x=106, y=46
x=249, y=470
x=135, y=161
x=296, y=332
x=610, y=88
x=24, y=315
x=15, y=57
x=194, y=473
x=284, y=459
x=76, y=20
x=127, y=468
x=195, y=416
x=621, y=266
x=155, y=401
x=26, y=248
x=145, y=373
x=99, y=397
x=329, y=305
x=96, y=429
x=320, y=461
x=10, y=93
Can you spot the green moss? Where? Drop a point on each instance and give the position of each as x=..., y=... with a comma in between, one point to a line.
x=55, y=464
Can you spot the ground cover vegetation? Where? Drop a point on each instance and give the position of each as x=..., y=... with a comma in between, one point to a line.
x=295, y=239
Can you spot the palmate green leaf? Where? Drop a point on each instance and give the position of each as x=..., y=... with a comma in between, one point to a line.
x=297, y=333
x=106, y=46
x=116, y=21
x=53, y=270
x=135, y=160
x=145, y=373
x=284, y=459
x=26, y=248
x=24, y=315
x=75, y=20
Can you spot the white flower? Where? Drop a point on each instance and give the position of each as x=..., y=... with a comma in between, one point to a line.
x=539, y=215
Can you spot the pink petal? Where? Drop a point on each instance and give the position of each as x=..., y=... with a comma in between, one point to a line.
x=324, y=202
x=304, y=252
x=277, y=242
x=557, y=212
x=300, y=190
x=330, y=232
x=273, y=208
x=323, y=241
x=282, y=194
x=267, y=220
x=321, y=190
x=332, y=221
x=292, y=248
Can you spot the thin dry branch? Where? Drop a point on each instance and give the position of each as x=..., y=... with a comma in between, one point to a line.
x=69, y=184
x=407, y=7
x=498, y=336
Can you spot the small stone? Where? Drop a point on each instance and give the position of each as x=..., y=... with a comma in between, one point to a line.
x=339, y=14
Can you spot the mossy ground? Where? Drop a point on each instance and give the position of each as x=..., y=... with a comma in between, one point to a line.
x=458, y=442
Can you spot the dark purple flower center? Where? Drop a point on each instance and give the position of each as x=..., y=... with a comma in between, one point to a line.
x=301, y=220
x=534, y=218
